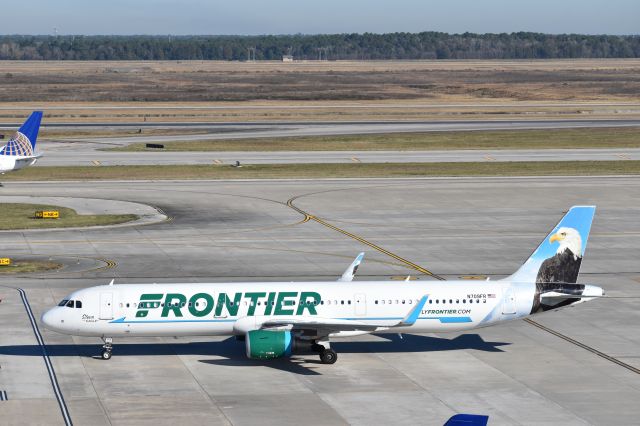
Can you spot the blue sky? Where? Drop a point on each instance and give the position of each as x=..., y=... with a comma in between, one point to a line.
x=313, y=17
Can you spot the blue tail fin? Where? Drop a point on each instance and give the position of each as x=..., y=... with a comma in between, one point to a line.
x=557, y=259
x=23, y=143
x=467, y=420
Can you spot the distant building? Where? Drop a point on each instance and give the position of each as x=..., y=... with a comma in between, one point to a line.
x=287, y=58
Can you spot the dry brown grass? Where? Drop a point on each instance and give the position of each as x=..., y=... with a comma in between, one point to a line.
x=261, y=91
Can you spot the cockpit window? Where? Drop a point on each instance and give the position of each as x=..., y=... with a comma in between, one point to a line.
x=78, y=304
x=64, y=302
x=70, y=304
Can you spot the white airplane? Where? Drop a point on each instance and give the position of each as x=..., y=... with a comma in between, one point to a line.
x=281, y=319
x=19, y=152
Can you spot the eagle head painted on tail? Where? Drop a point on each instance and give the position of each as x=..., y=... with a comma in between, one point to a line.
x=565, y=265
x=562, y=268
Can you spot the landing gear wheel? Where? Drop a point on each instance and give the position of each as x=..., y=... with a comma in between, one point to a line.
x=107, y=348
x=328, y=356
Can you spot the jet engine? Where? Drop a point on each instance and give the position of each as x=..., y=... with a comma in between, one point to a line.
x=270, y=344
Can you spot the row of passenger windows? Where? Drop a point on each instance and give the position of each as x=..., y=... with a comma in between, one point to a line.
x=431, y=301
x=149, y=305
x=70, y=303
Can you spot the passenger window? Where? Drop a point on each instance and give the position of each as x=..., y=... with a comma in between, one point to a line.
x=63, y=302
x=464, y=300
x=322, y=302
x=403, y=302
x=484, y=300
x=457, y=301
x=78, y=304
x=376, y=302
x=450, y=300
x=477, y=300
x=127, y=305
x=349, y=301
x=430, y=301
x=437, y=301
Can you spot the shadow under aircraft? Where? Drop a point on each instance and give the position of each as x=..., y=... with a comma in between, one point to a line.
x=234, y=352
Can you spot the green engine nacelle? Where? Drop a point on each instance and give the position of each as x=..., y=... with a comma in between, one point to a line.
x=265, y=344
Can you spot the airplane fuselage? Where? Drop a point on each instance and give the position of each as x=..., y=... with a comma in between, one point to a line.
x=228, y=309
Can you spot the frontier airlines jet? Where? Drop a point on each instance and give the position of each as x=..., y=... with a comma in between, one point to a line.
x=20, y=152
x=281, y=319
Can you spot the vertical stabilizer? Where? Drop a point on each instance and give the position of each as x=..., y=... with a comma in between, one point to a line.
x=23, y=142
x=557, y=259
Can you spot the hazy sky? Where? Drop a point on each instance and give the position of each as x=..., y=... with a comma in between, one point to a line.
x=318, y=16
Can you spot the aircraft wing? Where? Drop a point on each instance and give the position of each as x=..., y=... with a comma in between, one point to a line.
x=326, y=326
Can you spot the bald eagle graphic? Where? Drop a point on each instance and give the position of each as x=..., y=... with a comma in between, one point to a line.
x=565, y=265
x=559, y=270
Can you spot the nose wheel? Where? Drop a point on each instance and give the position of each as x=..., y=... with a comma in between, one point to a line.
x=107, y=348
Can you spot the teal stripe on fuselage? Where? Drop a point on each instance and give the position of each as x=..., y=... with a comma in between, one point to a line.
x=444, y=320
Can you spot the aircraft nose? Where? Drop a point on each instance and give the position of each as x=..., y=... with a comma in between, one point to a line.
x=48, y=319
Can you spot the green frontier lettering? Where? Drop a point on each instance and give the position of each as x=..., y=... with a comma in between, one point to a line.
x=195, y=302
x=232, y=306
x=253, y=301
x=306, y=303
x=283, y=302
x=173, y=302
x=148, y=301
x=202, y=304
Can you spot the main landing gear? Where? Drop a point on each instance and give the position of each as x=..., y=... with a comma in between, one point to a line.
x=327, y=355
x=107, y=348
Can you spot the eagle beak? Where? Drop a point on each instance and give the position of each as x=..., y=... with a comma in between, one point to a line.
x=554, y=238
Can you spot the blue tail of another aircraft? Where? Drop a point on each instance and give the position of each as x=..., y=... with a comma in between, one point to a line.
x=23, y=143
x=467, y=420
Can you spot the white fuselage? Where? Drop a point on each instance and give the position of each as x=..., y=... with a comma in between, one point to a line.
x=235, y=308
x=10, y=163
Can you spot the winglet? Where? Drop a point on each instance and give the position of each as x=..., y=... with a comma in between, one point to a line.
x=111, y=283
x=413, y=315
x=350, y=272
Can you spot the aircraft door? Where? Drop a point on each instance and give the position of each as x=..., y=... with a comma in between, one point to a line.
x=360, y=303
x=508, y=301
x=106, y=305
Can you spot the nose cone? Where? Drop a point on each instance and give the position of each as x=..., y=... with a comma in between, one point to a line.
x=49, y=319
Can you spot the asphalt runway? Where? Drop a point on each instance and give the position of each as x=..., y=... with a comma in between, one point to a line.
x=58, y=156
x=88, y=151
x=246, y=230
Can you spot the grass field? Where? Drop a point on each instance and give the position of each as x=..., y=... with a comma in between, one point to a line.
x=301, y=171
x=208, y=91
x=21, y=216
x=29, y=266
x=518, y=139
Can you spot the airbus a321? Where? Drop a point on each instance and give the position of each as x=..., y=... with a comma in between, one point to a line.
x=280, y=319
x=19, y=152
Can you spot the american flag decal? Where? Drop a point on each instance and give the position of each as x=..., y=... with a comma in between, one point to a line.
x=491, y=296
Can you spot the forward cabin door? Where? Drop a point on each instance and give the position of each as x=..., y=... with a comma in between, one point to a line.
x=509, y=301
x=106, y=306
x=360, y=305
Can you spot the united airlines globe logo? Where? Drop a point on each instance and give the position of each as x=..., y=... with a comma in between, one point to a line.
x=19, y=145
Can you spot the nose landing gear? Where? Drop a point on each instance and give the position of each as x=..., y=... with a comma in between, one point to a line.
x=107, y=348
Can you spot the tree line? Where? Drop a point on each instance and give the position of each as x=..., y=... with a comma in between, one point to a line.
x=425, y=45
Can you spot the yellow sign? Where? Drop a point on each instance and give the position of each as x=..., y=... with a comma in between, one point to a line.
x=5, y=261
x=47, y=214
